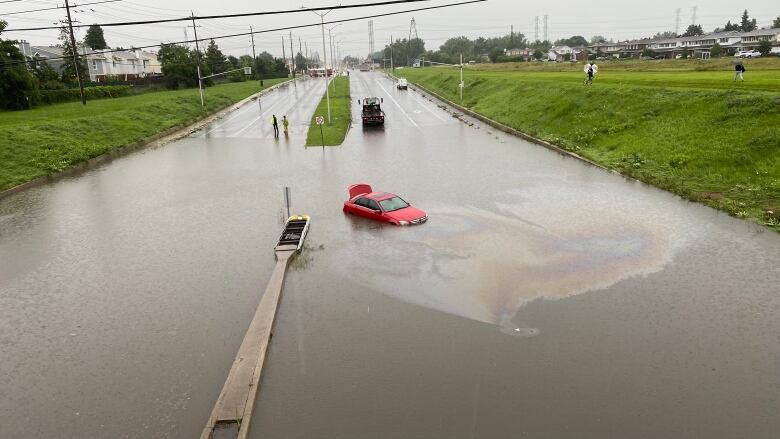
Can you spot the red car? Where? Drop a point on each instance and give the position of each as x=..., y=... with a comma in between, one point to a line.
x=382, y=206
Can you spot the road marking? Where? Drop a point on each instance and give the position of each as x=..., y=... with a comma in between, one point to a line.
x=429, y=110
x=397, y=104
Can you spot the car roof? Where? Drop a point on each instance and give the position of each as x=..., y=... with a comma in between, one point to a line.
x=378, y=196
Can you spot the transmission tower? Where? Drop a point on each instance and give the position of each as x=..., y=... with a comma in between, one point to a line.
x=536, y=28
x=412, y=34
x=545, y=27
x=677, y=22
x=693, y=15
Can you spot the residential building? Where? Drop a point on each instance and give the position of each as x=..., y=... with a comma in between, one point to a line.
x=120, y=65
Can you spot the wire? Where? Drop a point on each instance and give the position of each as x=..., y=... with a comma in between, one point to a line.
x=274, y=30
x=59, y=7
x=246, y=14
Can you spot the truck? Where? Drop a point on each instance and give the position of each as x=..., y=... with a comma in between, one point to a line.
x=372, y=112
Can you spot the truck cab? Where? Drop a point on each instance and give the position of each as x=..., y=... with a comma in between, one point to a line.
x=372, y=113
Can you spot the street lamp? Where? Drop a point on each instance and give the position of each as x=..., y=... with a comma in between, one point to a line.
x=325, y=57
x=332, y=58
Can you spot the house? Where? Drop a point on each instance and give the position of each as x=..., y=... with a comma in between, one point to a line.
x=561, y=53
x=524, y=54
x=699, y=46
x=512, y=52
x=121, y=65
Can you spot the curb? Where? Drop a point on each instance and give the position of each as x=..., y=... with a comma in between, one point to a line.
x=509, y=130
x=155, y=140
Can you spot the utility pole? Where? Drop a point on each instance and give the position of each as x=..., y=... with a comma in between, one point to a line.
x=300, y=50
x=545, y=27
x=693, y=15
x=392, y=66
x=197, y=51
x=284, y=52
x=292, y=58
x=75, y=55
x=254, y=54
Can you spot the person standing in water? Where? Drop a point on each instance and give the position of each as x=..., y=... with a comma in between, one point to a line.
x=286, y=124
x=276, y=126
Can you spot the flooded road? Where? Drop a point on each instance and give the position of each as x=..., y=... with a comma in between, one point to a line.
x=543, y=299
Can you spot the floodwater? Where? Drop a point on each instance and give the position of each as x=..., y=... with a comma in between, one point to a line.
x=544, y=298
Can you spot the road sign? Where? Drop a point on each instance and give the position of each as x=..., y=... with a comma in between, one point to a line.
x=320, y=120
x=247, y=71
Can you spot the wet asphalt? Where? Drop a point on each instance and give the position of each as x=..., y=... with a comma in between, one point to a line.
x=545, y=298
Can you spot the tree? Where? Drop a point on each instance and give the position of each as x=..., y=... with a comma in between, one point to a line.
x=300, y=61
x=685, y=53
x=664, y=35
x=765, y=47
x=454, y=47
x=178, y=65
x=234, y=64
x=215, y=59
x=747, y=24
x=94, y=38
x=648, y=52
x=575, y=41
x=716, y=50
x=17, y=87
x=597, y=39
x=495, y=54
x=538, y=54
x=729, y=27
x=776, y=23
x=693, y=30
x=69, y=66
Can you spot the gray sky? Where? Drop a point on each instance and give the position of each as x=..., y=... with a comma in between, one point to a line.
x=631, y=19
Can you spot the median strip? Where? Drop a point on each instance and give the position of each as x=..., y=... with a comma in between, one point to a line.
x=332, y=133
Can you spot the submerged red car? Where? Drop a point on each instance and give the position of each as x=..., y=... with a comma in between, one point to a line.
x=382, y=206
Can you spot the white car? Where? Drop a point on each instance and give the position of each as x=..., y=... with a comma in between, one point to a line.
x=402, y=84
x=747, y=54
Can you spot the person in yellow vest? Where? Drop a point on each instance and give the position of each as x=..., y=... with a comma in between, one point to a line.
x=286, y=124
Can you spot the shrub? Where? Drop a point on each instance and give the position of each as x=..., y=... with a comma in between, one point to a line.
x=67, y=95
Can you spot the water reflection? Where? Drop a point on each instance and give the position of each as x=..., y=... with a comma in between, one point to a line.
x=486, y=265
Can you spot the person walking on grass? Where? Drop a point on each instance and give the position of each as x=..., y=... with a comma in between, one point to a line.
x=286, y=124
x=739, y=69
x=590, y=69
x=275, y=123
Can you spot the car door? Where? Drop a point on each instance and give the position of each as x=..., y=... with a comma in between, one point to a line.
x=362, y=208
x=374, y=211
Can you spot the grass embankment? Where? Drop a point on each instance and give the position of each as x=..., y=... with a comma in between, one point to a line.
x=340, y=116
x=708, y=140
x=45, y=140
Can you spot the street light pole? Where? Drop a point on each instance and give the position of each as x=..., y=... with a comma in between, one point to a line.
x=325, y=60
x=461, y=78
x=197, y=51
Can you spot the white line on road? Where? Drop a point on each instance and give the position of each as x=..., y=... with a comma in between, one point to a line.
x=397, y=104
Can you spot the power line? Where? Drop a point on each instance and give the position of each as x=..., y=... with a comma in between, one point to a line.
x=246, y=14
x=244, y=34
x=59, y=7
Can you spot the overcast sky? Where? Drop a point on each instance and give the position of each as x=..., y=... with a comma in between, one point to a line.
x=632, y=19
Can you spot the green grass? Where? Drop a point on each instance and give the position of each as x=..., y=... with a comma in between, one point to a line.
x=340, y=116
x=48, y=139
x=693, y=133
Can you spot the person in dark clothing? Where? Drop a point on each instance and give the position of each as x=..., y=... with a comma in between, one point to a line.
x=276, y=126
x=739, y=69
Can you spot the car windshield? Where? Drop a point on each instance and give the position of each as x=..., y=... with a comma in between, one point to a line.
x=392, y=204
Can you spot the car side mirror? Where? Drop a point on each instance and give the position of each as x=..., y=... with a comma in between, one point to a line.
x=358, y=101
